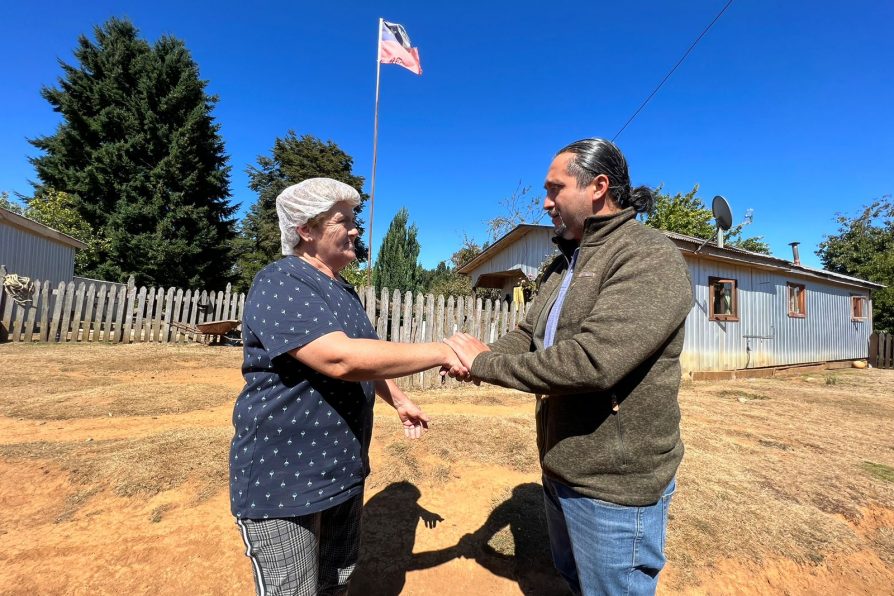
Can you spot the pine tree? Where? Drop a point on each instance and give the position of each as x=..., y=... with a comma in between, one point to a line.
x=396, y=267
x=292, y=160
x=142, y=159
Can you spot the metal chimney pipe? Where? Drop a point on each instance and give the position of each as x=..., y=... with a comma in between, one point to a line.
x=796, y=259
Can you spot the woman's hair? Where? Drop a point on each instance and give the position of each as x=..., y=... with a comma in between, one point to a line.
x=593, y=157
x=300, y=203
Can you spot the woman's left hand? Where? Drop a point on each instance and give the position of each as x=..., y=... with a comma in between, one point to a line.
x=415, y=421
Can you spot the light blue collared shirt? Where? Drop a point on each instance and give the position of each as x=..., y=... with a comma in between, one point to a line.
x=549, y=335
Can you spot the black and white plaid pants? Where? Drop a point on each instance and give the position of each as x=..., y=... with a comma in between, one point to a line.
x=306, y=555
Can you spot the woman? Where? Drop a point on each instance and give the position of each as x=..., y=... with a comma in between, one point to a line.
x=312, y=364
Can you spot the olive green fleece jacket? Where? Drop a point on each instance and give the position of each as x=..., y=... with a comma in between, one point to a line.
x=608, y=420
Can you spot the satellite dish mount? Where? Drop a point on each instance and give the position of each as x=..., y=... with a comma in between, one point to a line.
x=723, y=217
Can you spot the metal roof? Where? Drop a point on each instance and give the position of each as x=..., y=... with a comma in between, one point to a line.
x=504, y=241
x=690, y=245
x=39, y=229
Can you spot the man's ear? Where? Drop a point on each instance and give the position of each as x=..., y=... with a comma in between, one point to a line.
x=600, y=187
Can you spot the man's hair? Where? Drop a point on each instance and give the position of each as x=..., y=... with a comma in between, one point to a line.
x=593, y=157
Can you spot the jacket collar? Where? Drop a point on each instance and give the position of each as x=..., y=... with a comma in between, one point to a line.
x=596, y=229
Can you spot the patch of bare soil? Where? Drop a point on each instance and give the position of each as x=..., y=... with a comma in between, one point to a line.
x=113, y=473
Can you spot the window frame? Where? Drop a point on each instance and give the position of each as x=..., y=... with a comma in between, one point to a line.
x=734, y=302
x=802, y=300
x=863, y=301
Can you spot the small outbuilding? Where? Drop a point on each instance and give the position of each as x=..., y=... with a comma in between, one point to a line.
x=750, y=311
x=31, y=249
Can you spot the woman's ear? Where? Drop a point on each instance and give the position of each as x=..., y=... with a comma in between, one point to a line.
x=304, y=233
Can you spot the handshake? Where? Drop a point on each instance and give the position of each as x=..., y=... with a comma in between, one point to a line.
x=463, y=348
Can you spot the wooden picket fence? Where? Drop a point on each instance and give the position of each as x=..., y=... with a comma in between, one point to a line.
x=117, y=313
x=881, y=350
x=409, y=318
x=113, y=313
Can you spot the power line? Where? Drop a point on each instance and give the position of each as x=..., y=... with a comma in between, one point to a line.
x=667, y=76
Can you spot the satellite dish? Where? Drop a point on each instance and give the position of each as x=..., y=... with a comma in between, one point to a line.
x=722, y=213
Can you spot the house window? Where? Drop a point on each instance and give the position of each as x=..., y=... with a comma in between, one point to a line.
x=858, y=308
x=724, y=305
x=797, y=300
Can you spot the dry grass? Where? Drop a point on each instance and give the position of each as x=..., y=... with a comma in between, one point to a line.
x=775, y=468
x=781, y=475
x=91, y=380
x=119, y=399
x=499, y=442
x=134, y=468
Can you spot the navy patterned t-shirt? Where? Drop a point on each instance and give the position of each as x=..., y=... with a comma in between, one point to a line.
x=301, y=438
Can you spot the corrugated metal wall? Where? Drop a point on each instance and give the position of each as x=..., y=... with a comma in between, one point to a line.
x=34, y=256
x=525, y=254
x=765, y=335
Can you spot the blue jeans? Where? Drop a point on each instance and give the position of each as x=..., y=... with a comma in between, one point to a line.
x=604, y=548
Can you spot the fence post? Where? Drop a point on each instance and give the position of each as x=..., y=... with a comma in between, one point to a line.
x=395, y=316
x=122, y=313
x=450, y=320
x=406, y=328
x=66, y=312
x=44, y=312
x=55, y=321
x=371, y=305
x=32, y=313
x=5, y=307
x=886, y=357
x=873, y=350
x=78, y=312
x=427, y=377
x=113, y=297
x=382, y=318
x=168, y=316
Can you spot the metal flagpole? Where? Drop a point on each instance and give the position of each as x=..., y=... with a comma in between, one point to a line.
x=372, y=186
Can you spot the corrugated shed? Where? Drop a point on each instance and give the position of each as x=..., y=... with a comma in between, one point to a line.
x=33, y=250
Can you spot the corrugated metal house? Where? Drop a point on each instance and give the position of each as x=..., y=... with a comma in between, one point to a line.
x=31, y=249
x=750, y=310
x=512, y=259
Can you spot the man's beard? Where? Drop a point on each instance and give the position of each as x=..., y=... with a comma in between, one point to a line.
x=558, y=228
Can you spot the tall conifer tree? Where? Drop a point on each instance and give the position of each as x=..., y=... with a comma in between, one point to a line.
x=396, y=266
x=140, y=155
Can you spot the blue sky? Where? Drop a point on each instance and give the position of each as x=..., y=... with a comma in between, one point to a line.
x=783, y=107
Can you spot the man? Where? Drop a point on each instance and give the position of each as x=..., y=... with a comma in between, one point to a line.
x=600, y=346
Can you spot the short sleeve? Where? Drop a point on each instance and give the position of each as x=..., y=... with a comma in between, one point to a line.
x=287, y=311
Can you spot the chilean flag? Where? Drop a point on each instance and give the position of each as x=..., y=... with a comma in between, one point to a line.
x=395, y=48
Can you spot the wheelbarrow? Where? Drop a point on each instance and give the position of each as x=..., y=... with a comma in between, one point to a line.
x=226, y=331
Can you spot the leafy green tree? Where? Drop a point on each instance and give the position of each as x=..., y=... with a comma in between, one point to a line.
x=354, y=275
x=444, y=280
x=681, y=213
x=687, y=214
x=291, y=160
x=58, y=210
x=10, y=205
x=864, y=248
x=396, y=266
x=140, y=156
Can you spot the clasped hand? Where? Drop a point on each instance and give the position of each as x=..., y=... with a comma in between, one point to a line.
x=465, y=348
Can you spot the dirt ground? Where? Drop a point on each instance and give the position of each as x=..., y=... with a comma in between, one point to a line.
x=113, y=481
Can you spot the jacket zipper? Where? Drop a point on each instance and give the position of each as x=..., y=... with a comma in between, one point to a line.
x=616, y=412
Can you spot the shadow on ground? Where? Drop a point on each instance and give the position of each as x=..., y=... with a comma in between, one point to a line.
x=512, y=542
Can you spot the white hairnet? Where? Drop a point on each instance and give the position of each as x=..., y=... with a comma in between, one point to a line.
x=300, y=202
